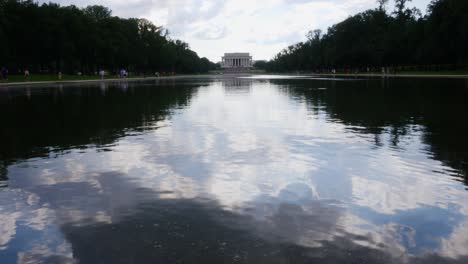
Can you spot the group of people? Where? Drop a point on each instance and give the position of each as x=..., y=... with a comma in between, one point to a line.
x=123, y=73
x=368, y=70
x=4, y=74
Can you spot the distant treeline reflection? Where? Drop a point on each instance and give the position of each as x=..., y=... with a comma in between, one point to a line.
x=393, y=106
x=36, y=123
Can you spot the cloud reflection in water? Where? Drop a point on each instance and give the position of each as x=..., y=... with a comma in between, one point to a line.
x=242, y=171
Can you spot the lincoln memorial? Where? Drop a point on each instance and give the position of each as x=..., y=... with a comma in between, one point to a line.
x=236, y=61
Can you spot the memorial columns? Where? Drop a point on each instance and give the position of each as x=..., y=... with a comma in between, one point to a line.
x=237, y=60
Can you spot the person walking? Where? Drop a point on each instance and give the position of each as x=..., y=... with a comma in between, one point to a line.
x=101, y=74
x=4, y=73
x=26, y=75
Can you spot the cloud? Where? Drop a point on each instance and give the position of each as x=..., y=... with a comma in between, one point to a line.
x=210, y=32
x=456, y=245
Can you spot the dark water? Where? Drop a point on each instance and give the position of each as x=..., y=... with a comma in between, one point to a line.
x=235, y=171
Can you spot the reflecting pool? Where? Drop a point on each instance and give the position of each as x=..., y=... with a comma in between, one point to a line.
x=267, y=169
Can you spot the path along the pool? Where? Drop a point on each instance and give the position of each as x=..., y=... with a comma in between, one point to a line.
x=23, y=83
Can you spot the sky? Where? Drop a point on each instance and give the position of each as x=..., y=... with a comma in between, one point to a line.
x=262, y=28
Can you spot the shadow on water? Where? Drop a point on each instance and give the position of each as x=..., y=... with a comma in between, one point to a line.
x=138, y=239
x=186, y=231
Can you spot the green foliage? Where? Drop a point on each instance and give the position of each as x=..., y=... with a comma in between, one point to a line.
x=400, y=7
x=260, y=64
x=51, y=38
x=382, y=4
x=375, y=39
x=97, y=13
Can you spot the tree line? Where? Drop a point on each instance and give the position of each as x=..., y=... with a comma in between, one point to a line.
x=401, y=39
x=50, y=38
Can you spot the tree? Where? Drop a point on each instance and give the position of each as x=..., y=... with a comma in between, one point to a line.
x=314, y=35
x=97, y=13
x=374, y=39
x=50, y=38
x=400, y=7
x=382, y=4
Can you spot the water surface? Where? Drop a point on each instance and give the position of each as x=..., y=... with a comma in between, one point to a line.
x=235, y=170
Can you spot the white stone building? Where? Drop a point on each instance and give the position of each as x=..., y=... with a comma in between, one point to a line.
x=236, y=61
